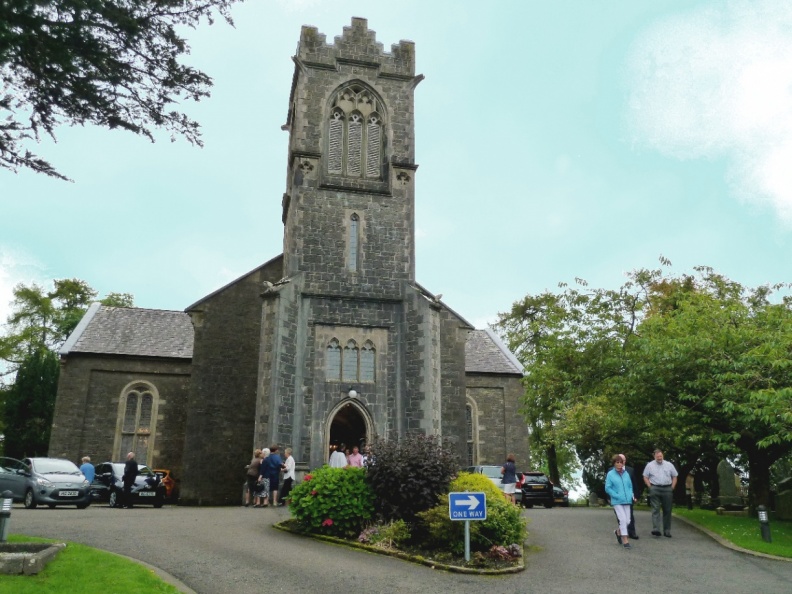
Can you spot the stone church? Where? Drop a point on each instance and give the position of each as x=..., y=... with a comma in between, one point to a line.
x=332, y=341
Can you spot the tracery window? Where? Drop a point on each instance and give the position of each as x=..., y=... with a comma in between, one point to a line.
x=350, y=364
x=137, y=412
x=354, y=146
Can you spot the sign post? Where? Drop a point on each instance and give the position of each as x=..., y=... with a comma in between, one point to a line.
x=467, y=506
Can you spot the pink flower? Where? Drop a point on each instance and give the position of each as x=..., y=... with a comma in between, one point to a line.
x=314, y=492
x=327, y=522
x=307, y=477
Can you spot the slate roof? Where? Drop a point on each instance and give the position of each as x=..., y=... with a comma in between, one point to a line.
x=485, y=353
x=132, y=331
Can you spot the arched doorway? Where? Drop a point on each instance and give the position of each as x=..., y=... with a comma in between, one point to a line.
x=349, y=425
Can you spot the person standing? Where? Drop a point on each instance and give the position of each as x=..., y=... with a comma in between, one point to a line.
x=271, y=469
x=509, y=478
x=251, y=476
x=660, y=477
x=637, y=485
x=88, y=470
x=618, y=486
x=288, y=476
x=338, y=458
x=355, y=458
x=130, y=474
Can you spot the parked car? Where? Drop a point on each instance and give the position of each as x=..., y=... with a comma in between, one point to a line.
x=493, y=473
x=45, y=481
x=108, y=485
x=560, y=496
x=171, y=487
x=536, y=489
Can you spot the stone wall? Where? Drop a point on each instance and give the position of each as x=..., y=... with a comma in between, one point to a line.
x=86, y=410
x=222, y=405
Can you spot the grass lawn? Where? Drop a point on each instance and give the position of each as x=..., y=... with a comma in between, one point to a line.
x=743, y=532
x=79, y=568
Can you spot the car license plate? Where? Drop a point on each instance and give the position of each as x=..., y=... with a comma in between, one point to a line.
x=538, y=487
x=69, y=493
x=147, y=493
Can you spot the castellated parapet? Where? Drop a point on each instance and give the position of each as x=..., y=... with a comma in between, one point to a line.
x=358, y=45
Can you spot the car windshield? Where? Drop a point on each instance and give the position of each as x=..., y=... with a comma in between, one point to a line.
x=53, y=466
x=535, y=478
x=491, y=471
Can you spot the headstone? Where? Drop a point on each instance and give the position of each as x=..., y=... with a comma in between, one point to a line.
x=783, y=502
x=726, y=485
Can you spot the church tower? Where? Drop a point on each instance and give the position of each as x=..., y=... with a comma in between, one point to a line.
x=352, y=347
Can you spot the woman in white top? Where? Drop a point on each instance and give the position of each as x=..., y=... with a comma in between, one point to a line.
x=288, y=476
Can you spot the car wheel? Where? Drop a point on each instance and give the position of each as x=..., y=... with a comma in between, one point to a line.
x=549, y=505
x=82, y=505
x=159, y=503
x=113, y=499
x=528, y=506
x=51, y=505
x=30, y=500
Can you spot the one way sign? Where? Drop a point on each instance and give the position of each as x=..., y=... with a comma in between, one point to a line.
x=467, y=506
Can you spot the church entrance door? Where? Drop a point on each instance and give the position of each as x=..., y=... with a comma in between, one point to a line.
x=348, y=427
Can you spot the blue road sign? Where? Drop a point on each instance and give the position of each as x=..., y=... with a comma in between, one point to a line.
x=467, y=506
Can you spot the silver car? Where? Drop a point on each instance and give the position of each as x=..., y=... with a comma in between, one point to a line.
x=44, y=481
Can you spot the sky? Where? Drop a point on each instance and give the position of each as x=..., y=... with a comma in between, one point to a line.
x=554, y=140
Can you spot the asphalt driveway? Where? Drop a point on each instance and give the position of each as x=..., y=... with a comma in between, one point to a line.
x=236, y=550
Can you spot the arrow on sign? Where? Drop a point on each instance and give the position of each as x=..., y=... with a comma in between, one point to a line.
x=471, y=503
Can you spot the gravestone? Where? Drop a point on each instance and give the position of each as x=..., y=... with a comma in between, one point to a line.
x=726, y=485
x=783, y=502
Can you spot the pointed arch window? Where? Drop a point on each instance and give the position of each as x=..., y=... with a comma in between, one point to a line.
x=354, y=243
x=350, y=362
x=355, y=136
x=333, y=372
x=136, y=423
x=367, y=359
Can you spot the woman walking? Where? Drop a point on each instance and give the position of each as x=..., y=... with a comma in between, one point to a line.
x=509, y=479
x=252, y=476
x=618, y=486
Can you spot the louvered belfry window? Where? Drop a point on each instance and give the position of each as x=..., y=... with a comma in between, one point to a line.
x=354, y=147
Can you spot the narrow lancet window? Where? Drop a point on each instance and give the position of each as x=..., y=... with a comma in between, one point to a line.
x=354, y=243
x=350, y=362
x=333, y=371
x=367, y=360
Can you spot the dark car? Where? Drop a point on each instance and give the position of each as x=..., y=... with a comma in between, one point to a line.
x=44, y=481
x=560, y=496
x=537, y=490
x=108, y=485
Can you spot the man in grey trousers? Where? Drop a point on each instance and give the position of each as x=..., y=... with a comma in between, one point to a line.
x=660, y=477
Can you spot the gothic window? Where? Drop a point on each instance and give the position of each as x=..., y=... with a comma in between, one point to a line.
x=354, y=235
x=367, y=359
x=136, y=423
x=350, y=362
x=354, y=134
x=471, y=432
x=333, y=361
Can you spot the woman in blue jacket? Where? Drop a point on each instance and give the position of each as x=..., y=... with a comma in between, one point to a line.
x=618, y=486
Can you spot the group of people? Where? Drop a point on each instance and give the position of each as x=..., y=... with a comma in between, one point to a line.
x=263, y=477
x=660, y=477
x=128, y=478
x=342, y=457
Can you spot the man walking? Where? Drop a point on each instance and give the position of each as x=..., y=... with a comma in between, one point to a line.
x=660, y=477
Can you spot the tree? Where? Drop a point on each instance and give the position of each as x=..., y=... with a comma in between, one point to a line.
x=697, y=365
x=29, y=405
x=113, y=63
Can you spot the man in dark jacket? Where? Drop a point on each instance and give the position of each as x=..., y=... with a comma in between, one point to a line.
x=130, y=474
x=637, y=490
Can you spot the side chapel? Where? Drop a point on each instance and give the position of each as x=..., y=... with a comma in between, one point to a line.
x=333, y=340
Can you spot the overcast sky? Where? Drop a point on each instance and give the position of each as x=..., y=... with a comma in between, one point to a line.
x=555, y=140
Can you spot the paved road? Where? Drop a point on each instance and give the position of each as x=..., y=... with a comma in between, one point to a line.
x=236, y=551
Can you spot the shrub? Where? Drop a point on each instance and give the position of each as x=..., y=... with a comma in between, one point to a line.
x=335, y=501
x=409, y=475
x=504, y=525
x=391, y=535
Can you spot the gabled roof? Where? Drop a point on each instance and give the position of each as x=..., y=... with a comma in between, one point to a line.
x=485, y=353
x=132, y=331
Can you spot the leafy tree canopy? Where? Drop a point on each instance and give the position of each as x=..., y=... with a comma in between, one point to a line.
x=113, y=63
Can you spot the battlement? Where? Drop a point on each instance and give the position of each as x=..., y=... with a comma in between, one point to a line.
x=358, y=45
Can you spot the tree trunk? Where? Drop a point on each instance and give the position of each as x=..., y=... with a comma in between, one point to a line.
x=759, y=462
x=552, y=464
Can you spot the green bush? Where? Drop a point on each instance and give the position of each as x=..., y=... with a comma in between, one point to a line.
x=409, y=475
x=504, y=524
x=390, y=535
x=335, y=501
